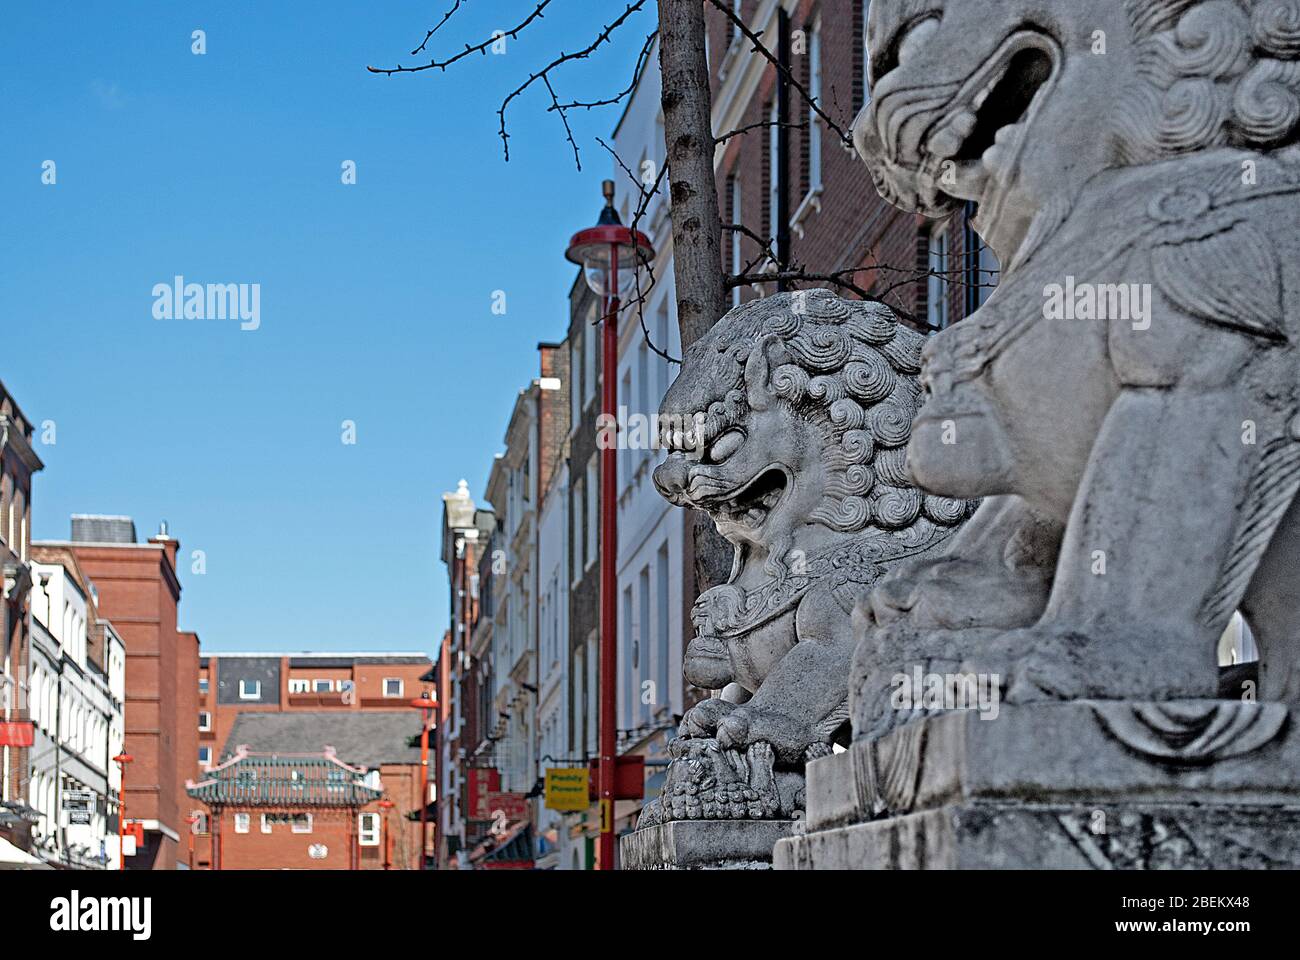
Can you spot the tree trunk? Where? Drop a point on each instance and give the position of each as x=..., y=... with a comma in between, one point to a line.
x=688, y=134
x=697, y=225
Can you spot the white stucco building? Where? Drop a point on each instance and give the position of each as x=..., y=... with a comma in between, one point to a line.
x=651, y=533
x=77, y=688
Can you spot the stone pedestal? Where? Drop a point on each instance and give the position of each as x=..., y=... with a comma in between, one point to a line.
x=1105, y=784
x=704, y=845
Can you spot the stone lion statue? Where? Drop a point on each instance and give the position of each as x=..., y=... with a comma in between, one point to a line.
x=1126, y=401
x=788, y=426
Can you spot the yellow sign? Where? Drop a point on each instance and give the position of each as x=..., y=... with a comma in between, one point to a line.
x=606, y=815
x=566, y=789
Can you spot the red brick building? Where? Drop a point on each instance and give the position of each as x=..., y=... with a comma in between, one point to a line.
x=273, y=812
x=802, y=188
x=302, y=790
x=231, y=684
x=139, y=592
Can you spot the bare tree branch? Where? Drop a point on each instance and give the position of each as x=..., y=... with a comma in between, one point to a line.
x=756, y=39
x=750, y=127
x=445, y=17
x=436, y=64
x=639, y=300
x=561, y=59
x=641, y=61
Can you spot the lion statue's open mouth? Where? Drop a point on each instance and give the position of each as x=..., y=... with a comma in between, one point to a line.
x=932, y=148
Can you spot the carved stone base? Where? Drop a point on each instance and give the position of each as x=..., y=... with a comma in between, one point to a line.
x=988, y=836
x=704, y=845
x=1189, y=784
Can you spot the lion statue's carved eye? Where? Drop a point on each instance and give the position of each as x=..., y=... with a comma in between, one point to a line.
x=726, y=445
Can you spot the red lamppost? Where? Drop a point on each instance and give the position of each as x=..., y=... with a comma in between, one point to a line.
x=192, y=819
x=386, y=805
x=610, y=255
x=427, y=704
x=122, y=759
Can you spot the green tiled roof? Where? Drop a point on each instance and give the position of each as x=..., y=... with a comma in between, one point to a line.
x=273, y=781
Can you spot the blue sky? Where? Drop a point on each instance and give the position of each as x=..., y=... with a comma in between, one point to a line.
x=375, y=298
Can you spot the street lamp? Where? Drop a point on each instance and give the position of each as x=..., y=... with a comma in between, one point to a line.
x=122, y=759
x=610, y=255
x=427, y=704
x=386, y=805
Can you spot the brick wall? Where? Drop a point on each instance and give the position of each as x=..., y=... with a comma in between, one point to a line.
x=139, y=592
x=853, y=227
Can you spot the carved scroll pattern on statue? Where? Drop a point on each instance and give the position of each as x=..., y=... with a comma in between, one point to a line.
x=1194, y=237
x=1194, y=731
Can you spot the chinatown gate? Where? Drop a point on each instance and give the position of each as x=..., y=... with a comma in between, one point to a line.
x=286, y=811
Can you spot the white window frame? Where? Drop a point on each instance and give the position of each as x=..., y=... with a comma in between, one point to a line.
x=299, y=685
x=203, y=685
x=205, y=721
x=368, y=836
x=242, y=822
x=243, y=690
x=293, y=824
x=208, y=751
x=401, y=686
x=329, y=686
x=266, y=824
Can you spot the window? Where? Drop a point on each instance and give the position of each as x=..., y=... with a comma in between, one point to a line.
x=323, y=686
x=203, y=685
x=241, y=823
x=589, y=358
x=641, y=643
x=814, y=181
x=661, y=627
x=981, y=266
x=665, y=344
x=937, y=281
x=301, y=823
x=593, y=509
x=625, y=453
x=647, y=403
x=299, y=686
x=733, y=236
x=861, y=55
x=579, y=535
x=392, y=687
x=205, y=756
x=266, y=823
x=575, y=381
x=368, y=829
x=627, y=656
x=773, y=173
x=250, y=689
x=205, y=721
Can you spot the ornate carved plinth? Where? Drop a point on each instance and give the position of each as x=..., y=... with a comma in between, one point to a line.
x=1088, y=784
x=704, y=845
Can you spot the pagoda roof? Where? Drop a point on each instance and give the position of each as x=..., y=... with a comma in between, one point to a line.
x=313, y=780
